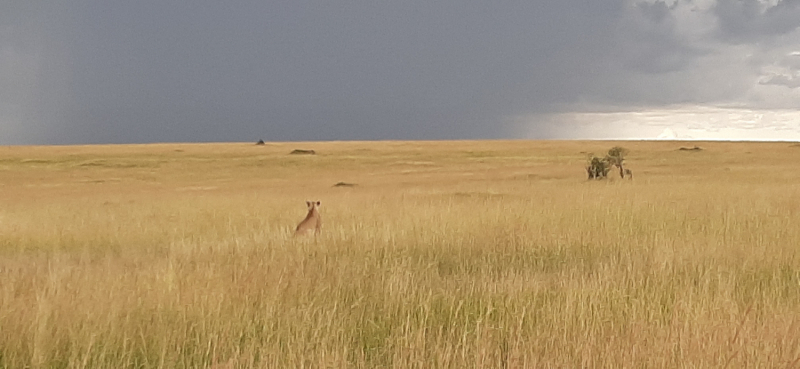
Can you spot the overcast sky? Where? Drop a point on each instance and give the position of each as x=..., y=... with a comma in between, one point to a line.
x=113, y=71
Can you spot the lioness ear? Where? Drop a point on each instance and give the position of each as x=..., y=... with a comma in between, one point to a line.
x=317, y=203
x=308, y=203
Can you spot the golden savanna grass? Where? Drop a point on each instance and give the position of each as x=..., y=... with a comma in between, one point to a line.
x=490, y=254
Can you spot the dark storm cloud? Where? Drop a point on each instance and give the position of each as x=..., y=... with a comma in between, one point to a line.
x=83, y=71
x=160, y=70
x=649, y=43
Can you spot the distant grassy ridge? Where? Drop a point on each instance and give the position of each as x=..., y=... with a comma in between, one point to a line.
x=463, y=254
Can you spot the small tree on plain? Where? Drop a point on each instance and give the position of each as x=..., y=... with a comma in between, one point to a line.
x=616, y=156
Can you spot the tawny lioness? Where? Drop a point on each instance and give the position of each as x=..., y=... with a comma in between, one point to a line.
x=312, y=222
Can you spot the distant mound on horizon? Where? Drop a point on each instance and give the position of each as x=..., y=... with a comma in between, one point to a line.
x=302, y=152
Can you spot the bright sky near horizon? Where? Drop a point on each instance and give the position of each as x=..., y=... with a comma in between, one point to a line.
x=92, y=71
x=675, y=123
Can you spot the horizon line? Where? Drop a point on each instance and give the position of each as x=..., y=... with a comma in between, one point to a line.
x=254, y=143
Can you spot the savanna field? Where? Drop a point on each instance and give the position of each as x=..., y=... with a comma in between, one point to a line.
x=461, y=254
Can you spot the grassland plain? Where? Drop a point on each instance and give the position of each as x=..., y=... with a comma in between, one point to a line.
x=468, y=254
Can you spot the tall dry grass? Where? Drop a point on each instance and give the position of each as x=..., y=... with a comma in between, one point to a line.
x=446, y=254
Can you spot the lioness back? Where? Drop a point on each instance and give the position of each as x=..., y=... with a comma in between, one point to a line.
x=312, y=221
